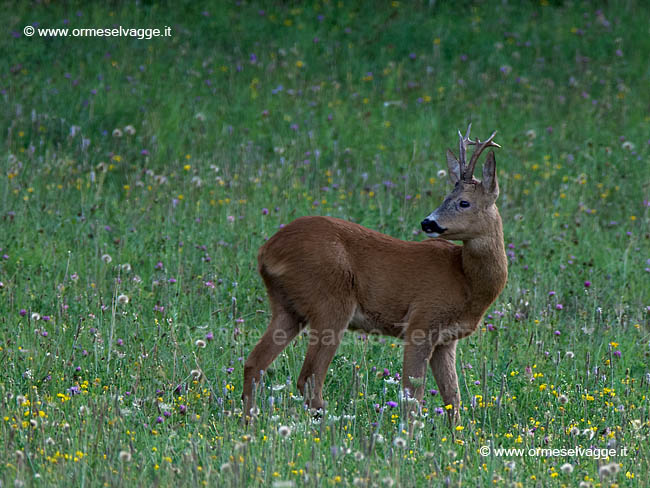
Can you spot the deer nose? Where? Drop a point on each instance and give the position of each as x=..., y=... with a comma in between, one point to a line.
x=432, y=227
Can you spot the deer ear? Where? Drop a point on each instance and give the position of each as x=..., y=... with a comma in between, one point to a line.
x=454, y=167
x=489, y=182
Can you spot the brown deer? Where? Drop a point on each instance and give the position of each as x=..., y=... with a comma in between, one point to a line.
x=336, y=275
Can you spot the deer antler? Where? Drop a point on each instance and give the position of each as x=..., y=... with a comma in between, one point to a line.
x=467, y=173
x=464, y=142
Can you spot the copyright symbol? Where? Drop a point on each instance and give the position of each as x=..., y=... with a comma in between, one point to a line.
x=484, y=451
x=28, y=31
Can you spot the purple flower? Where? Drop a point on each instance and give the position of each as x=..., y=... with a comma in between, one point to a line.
x=120, y=342
x=433, y=392
x=439, y=410
x=159, y=420
x=182, y=408
x=391, y=404
x=265, y=211
x=167, y=414
x=559, y=306
x=551, y=293
x=617, y=354
x=209, y=336
x=557, y=332
x=46, y=318
x=22, y=312
x=587, y=284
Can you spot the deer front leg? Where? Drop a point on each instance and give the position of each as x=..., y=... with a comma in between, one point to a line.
x=443, y=366
x=418, y=347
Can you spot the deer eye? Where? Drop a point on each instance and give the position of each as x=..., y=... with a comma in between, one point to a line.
x=464, y=204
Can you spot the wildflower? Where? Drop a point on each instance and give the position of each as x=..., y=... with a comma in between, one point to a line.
x=125, y=456
x=106, y=258
x=569, y=354
x=200, y=343
x=559, y=306
x=284, y=431
x=563, y=399
x=195, y=373
x=159, y=420
x=604, y=471
x=226, y=468
x=117, y=133
x=628, y=146
x=36, y=316
x=567, y=468
x=441, y=173
x=399, y=442
x=129, y=130
x=122, y=299
x=388, y=481
x=587, y=284
x=531, y=134
x=126, y=267
x=391, y=404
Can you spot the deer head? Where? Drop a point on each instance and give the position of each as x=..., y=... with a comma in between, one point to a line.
x=470, y=208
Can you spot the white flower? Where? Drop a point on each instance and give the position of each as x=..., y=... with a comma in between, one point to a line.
x=36, y=316
x=441, y=173
x=604, y=471
x=399, y=442
x=531, y=134
x=126, y=267
x=200, y=117
x=563, y=399
x=195, y=373
x=628, y=145
x=125, y=456
x=107, y=258
x=284, y=430
x=117, y=133
x=130, y=130
x=122, y=299
x=567, y=468
x=200, y=343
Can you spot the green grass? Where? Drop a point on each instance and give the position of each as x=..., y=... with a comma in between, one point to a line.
x=241, y=110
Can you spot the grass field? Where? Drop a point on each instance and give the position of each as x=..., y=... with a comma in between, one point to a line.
x=140, y=176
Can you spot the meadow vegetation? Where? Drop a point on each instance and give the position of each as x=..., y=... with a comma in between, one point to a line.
x=139, y=177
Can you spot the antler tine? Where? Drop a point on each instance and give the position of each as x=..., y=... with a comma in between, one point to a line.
x=464, y=142
x=480, y=146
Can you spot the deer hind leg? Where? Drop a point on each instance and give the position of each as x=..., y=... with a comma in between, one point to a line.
x=324, y=339
x=443, y=366
x=282, y=329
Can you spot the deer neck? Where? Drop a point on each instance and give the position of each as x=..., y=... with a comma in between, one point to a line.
x=486, y=267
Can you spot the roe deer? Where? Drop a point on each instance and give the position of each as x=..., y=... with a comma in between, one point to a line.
x=336, y=275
